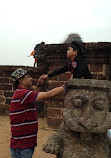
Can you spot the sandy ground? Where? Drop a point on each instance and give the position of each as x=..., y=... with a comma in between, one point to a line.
x=43, y=134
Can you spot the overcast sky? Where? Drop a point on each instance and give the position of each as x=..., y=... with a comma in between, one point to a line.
x=24, y=23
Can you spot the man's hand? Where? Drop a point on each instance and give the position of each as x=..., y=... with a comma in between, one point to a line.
x=44, y=77
x=41, y=80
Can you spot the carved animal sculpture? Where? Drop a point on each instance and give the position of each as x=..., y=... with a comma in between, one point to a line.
x=86, y=121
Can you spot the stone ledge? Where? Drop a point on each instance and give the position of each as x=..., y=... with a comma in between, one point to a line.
x=88, y=83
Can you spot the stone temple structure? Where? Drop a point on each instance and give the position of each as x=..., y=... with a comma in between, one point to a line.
x=87, y=118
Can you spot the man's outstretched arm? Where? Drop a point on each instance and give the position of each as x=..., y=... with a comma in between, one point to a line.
x=50, y=94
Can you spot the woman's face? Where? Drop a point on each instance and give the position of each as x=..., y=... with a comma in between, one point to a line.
x=71, y=53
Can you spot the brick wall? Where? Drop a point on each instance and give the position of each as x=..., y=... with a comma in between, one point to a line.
x=6, y=84
x=98, y=56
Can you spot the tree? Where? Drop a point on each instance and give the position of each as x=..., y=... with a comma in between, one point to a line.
x=73, y=37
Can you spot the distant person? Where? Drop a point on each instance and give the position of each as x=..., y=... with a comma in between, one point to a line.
x=77, y=65
x=23, y=114
x=39, y=52
x=35, y=60
x=35, y=53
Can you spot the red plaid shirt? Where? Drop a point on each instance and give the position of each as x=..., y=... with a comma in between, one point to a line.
x=23, y=119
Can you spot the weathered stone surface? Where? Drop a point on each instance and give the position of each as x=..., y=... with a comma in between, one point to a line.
x=86, y=121
x=88, y=84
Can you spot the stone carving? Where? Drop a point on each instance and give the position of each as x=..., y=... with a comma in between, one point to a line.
x=86, y=120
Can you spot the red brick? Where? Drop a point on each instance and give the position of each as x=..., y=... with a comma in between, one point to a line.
x=101, y=77
x=36, y=72
x=96, y=67
x=8, y=100
x=8, y=94
x=55, y=78
x=56, y=103
x=94, y=76
x=54, y=67
x=5, y=87
x=103, y=45
x=91, y=60
x=54, y=122
x=53, y=60
x=60, y=97
x=91, y=45
x=64, y=77
x=4, y=80
x=54, y=84
x=54, y=112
